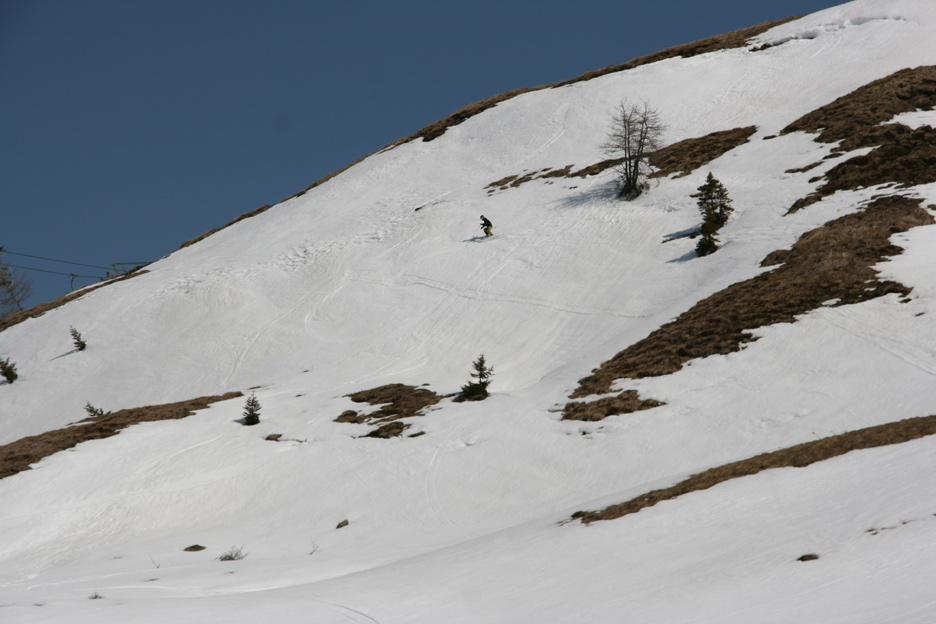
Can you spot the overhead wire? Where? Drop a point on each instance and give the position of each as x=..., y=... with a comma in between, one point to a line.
x=92, y=266
x=13, y=266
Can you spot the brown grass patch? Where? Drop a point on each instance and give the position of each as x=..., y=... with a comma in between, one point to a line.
x=849, y=116
x=246, y=215
x=397, y=401
x=513, y=181
x=794, y=457
x=830, y=262
x=17, y=456
x=901, y=156
x=682, y=157
x=686, y=156
x=627, y=402
x=38, y=310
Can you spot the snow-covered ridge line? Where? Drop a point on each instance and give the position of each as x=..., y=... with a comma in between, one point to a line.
x=733, y=39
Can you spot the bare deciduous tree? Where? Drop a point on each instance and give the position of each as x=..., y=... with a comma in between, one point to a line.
x=636, y=131
x=15, y=288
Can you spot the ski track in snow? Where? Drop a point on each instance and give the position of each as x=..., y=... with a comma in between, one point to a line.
x=431, y=472
x=252, y=340
x=882, y=338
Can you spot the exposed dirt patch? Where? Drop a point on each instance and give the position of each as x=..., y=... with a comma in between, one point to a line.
x=902, y=156
x=625, y=403
x=513, y=181
x=397, y=401
x=905, y=157
x=847, y=118
x=246, y=215
x=830, y=262
x=796, y=456
x=37, y=311
x=17, y=456
x=686, y=156
x=682, y=157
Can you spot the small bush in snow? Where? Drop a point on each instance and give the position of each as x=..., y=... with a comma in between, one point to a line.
x=707, y=244
x=8, y=370
x=80, y=344
x=235, y=554
x=93, y=412
x=477, y=390
x=252, y=411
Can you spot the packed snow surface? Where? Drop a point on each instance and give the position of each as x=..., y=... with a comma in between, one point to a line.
x=377, y=276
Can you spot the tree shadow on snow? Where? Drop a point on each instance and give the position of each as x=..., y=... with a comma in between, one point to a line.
x=66, y=354
x=603, y=193
x=686, y=257
x=687, y=233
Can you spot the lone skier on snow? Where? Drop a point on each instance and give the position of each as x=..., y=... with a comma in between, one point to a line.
x=486, y=226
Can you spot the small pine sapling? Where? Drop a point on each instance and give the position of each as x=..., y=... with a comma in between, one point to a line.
x=8, y=370
x=252, y=411
x=79, y=343
x=477, y=390
x=93, y=412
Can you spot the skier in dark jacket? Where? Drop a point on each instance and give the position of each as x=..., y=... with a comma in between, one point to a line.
x=486, y=226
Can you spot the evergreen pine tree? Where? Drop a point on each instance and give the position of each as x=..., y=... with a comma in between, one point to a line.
x=715, y=206
x=252, y=411
x=713, y=201
x=477, y=390
x=79, y=343
x=8, y=370
x=707, y=244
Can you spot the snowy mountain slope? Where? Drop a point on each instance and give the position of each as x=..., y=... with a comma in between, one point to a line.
x=372, y=278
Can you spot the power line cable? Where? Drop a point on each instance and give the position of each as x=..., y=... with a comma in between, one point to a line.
x=92, y=266
x=13, y=266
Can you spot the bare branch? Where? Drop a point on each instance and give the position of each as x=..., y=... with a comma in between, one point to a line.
x=15, y=289
x=636, y=131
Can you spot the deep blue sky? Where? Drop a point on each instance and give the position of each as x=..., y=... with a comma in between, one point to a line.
x=130, y=126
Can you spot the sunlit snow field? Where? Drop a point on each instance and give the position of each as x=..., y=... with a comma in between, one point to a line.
x=349, y=286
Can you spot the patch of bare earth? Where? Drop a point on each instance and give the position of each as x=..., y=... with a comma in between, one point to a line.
x=796, y=456
x=682, y=158
x=17, y=456
x=901, y=155
x=832, y=262
x=627, y=402
x=246, y=215
x=397, y=401
x=686, y=156
x=37, y=311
